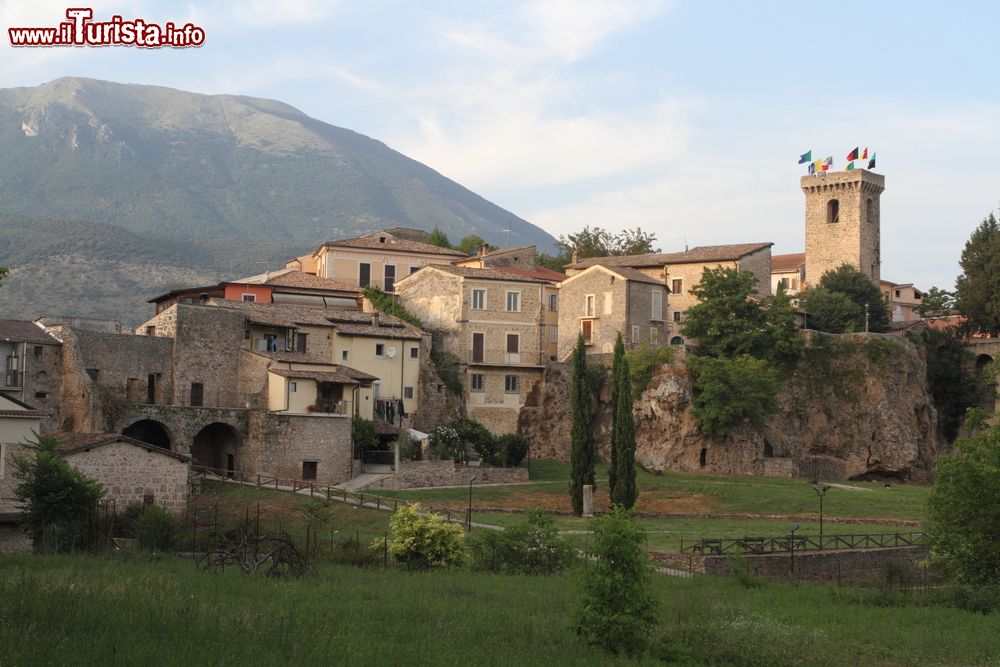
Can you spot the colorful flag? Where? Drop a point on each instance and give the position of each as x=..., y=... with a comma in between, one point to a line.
x=828, y=160
x=871, y=163
x=864, y=155
x=853, y=155
x=812, y=167
x=806, y=157
x=850, y=166
x=817, y=165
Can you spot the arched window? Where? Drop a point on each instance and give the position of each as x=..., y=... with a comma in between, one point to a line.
x=676, y=340
x=833, y=211
x=870, y=210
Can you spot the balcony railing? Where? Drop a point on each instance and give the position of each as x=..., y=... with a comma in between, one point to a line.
x=330, y=407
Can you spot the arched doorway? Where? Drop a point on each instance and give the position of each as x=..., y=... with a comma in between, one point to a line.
x=984, y=364
x=983, y=361
x=149, y=431
x=676, y=340
x=216, y=446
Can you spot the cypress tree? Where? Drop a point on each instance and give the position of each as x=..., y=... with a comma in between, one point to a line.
x=622, y=475
x=582, y=434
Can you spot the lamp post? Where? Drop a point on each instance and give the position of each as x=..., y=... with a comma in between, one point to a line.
x=866, y=318
x=791, y=549
x=468, y=526
x=821, y=492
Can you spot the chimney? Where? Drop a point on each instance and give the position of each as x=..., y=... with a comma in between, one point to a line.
x=574, y=256
x=375, y=319
x=483, y=249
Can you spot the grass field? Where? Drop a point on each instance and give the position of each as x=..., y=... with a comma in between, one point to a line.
x=91, y=611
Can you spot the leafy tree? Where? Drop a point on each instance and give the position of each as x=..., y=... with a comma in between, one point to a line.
x=963, y=509
x=471, y=244
x=423, y=541
x=726, y=321
x=530, y=546
x=582, y=452
x=954, y=387
x=860, y=289
x=633, y=242
x=446, y=443
x=977, y=289
x=471, y=432
x=588, y=242
x=729, y=391
x=438, y=238
x=829, y=311
x=56, y=498
x=936, y=302
x=364, y=435
x=786, y=342
x=598, y=242
x=616, y=610
x=511, y=449
x=622, y=473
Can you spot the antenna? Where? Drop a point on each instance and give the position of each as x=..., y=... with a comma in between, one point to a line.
x=685, y=239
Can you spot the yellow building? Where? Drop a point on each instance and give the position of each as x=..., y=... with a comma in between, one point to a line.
x=903, y=299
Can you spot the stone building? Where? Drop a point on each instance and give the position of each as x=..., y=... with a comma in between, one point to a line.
x=902, y=300
x=600, y=301
x=680, y=271
x=32, y=366
x=497, y=324
x=788, y=272
x=381, y=258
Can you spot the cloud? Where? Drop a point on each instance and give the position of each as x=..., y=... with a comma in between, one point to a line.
x=221, y=16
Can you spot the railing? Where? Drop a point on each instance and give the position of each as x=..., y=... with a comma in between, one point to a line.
x=330, y=407
x=787, y=543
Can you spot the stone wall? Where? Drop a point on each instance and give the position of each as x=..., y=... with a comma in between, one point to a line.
x=758, y=264
x=278, y=444
x=130, y=473
x=13, y=539
x=423, y=474
x=207, y=351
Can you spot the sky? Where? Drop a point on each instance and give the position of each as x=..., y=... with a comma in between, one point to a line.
x=683, y=118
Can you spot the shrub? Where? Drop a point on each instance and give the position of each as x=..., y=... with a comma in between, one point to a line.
x=364, y=435
x=643, y=362
x=729, y=391
x=510, y=450
x=157, y=529
x=423, y=541
x=616, y=610
x=409, y=447
x=445, y=443
x=532, y=546
x=473, y=433
x=127, y=522
x=387, y=304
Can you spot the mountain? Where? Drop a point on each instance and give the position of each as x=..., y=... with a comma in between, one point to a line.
x=139, y=187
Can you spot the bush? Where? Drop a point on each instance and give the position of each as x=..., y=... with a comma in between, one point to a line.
x=643, y=362
x=364, y=435
x=127, y=522
x=617, y=610
x=445, y=443
x=510, y=450
x=423, y=541
x=157, y=529
x=730, y=391
x=532, y=546
x=409, y=447
x=387, y=304
x=471, y=432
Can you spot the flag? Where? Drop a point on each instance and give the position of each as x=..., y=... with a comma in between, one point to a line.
x=853, y=155
x=817, y=165
x=864, y=155
x=850, y=166
x=871, y=163
x=812, y=167
x=806, y=157
x=828, y=160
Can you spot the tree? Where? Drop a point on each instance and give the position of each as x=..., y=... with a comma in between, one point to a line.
x=616, y=610
x=963, y=509
x=786, y=342
x=832, y=312
x=471, y=244
x=622, y=472
x=4, y=271
x=729, y=391
x=954, y=387
x=420, y=541
x=726, y=321
x=363, y=435
x=438, y=238
x=587, y=242
x=582, y=434
x=977, y=289
x=936, y=302
x=56, y=498
x=633, y=242
x=860, y=289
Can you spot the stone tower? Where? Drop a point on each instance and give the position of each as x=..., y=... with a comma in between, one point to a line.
x=842, y=222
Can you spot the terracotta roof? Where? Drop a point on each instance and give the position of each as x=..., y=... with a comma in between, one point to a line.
x=356, y=323
x=70, y=443
x=708, y=253
x=294, y=357
x=351, y=322
x=26, y=411
x=208, y=289
x=539, y=272
x=339, y=375
x=299, y=279
x=792, y=262
x=408, y=233
x=23, y=331
x=625, y=272
x=485, y=274
x=394, y=244
x=507, y=251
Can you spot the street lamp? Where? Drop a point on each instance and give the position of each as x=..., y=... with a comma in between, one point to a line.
x=468, y=527
x=821, y=492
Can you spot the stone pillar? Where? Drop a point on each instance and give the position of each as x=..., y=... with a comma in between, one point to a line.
x=588, y=500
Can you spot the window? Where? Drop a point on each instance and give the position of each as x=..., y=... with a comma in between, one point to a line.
x=676, y=340
x=197, y=394
x=414, y=269
x=513, y=343
x=293, y=387
x=553, y=333
x=390, y=277
x=784, y=283
x=553, y=302
x=635, y=333
x=833, y=211
x=414, y=353
x=343, y=355
x=476, y=381
x=479, y=299
x=364, y=274
x=607, y=302
x=588, y=306
x=870, y=210
x=151, y=331
x=37, y=352
x=41, y=394
x=510, y=384
x=408, y=393
x=478, y=347
x=379, y=349
x=654, y=335
x=897, y=293
x=677, y=316
x=309, y=470
x=513, y=302
x=250, y=297
x=657, y=310
x=300, y=342
x=587, y=329
x=676, y=286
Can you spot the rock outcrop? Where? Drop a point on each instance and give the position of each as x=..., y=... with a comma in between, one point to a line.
x=853, y=407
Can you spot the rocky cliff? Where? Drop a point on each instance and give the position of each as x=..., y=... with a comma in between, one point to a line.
x=854, y=406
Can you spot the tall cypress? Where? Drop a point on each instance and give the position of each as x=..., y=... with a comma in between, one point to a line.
x=622, y=475
x=582, y=434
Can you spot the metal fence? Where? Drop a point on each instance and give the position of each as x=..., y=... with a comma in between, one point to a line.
x=787, y=543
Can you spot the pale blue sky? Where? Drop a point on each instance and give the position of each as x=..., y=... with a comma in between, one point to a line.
x=684, y=118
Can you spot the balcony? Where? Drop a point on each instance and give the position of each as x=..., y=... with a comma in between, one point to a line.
x=330, y=407
x=13, y=380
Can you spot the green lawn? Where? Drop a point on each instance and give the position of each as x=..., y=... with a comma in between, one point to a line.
x=91, y=611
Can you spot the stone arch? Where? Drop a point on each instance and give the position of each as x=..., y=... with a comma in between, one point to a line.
x=149, y=431
x=833, y=211
x=983, y=361
x=676, y=340
x=216, y=446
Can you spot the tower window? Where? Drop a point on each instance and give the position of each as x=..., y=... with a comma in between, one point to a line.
x=833, y=211
x=870, y=211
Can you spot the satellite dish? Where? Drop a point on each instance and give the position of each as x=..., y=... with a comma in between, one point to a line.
x=390, y=351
